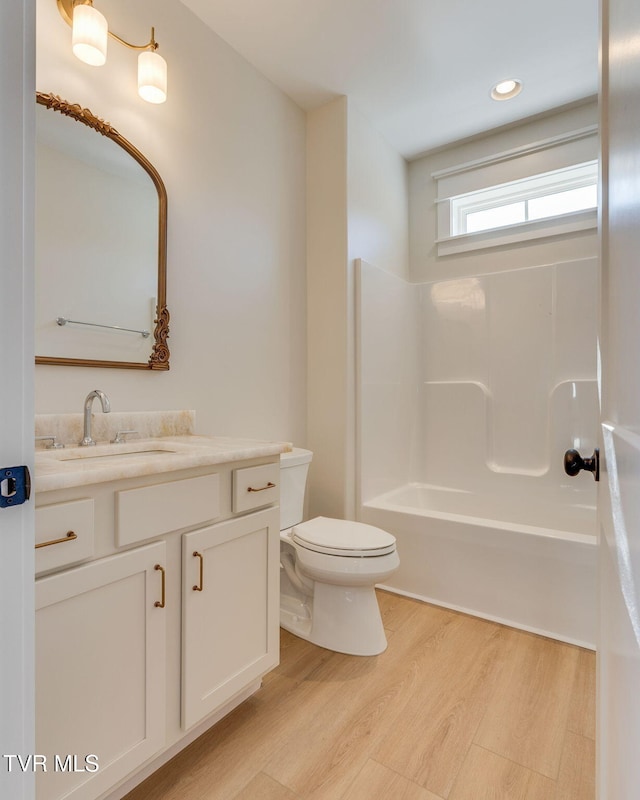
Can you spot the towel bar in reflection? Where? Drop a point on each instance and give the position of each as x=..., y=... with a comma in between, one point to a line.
x=64, y=321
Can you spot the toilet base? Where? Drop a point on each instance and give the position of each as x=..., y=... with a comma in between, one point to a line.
x=341, y=618
x=295, y=616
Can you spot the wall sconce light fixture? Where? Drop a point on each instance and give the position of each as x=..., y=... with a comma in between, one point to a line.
x=89, y=38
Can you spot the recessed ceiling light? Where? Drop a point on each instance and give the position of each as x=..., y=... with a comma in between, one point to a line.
x=505, y=90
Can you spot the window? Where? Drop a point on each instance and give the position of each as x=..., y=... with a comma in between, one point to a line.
x=542, y=189
x=553, y=194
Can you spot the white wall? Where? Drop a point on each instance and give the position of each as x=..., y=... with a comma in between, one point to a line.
x=230, y=148
x=378, y=198
x=328, y=314
x=357, y=185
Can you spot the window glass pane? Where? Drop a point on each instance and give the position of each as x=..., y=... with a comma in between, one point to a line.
x=495, y=217
x=551, y=205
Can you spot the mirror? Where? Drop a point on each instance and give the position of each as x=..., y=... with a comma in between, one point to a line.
x=100, y=248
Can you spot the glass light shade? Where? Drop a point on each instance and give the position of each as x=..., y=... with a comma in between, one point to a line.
x=152, y=77
x=89, y=35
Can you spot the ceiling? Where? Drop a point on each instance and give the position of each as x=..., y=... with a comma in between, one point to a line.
x=420, y=70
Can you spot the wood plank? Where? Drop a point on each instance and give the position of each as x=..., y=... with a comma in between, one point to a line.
x=435, y=729
x=576, y=780
x=297, y=657
x=582, y=711
x=527, y=717
x=331, y=743
x=487, y=776
x=397, y=610
x=223, y=760
x=262, y=787
x=377, y=781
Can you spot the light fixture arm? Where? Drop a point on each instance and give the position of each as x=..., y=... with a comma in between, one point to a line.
x=65, y=7
x=150, y=45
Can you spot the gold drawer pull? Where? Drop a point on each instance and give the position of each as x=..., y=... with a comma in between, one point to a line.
x=197, y=588
x=160, y=603
x=68, y=538
x=268, y=486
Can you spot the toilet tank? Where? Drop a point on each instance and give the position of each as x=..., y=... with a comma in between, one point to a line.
x=294, y=467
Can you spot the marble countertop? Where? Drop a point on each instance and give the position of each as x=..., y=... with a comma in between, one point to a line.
x=80, y=466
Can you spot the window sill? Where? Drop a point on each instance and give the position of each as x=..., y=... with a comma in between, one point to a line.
x=511, y=234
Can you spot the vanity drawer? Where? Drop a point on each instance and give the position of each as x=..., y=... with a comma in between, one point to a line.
x=64, y=534
x=254, y=487
x=164, y=507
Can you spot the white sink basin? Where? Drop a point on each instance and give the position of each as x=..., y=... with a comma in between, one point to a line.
x=111, y=453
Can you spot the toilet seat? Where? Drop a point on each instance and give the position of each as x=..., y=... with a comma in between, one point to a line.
x=341, y=537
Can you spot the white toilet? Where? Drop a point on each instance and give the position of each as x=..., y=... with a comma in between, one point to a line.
x=329, y=568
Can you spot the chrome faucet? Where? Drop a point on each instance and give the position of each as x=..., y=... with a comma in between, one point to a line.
x=88, y=403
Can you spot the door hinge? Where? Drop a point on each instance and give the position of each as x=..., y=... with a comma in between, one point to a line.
x=15, y=486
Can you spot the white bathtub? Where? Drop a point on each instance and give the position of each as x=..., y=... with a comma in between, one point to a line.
x=466, y=551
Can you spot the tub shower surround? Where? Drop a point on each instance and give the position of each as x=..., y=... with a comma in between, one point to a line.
x=470, y=391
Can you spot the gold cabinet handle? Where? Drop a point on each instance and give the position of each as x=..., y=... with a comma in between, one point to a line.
x=197, y=588
x=262, y=488
x=160, y=603
x=68, y=538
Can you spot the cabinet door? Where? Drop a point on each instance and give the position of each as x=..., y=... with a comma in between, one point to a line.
x=100, y=672
x=230, y=610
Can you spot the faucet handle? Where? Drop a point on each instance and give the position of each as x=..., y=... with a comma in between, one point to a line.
x=120, y=437
x=55, y=444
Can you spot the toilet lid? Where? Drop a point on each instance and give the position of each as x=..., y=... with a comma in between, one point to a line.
x=342, y=537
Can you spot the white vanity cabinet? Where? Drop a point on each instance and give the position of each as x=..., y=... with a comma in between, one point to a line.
x=230, y=599
x=144, y=645
x=100, y=672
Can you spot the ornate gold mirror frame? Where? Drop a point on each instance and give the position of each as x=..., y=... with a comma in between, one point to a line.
x=159, y=359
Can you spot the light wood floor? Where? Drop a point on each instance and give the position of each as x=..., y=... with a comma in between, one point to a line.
x=457, y=708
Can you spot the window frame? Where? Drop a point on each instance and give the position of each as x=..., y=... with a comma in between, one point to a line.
x=523, y=190
x=568, y=152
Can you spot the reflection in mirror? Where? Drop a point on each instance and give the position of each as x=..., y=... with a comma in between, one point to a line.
x=100, y=245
